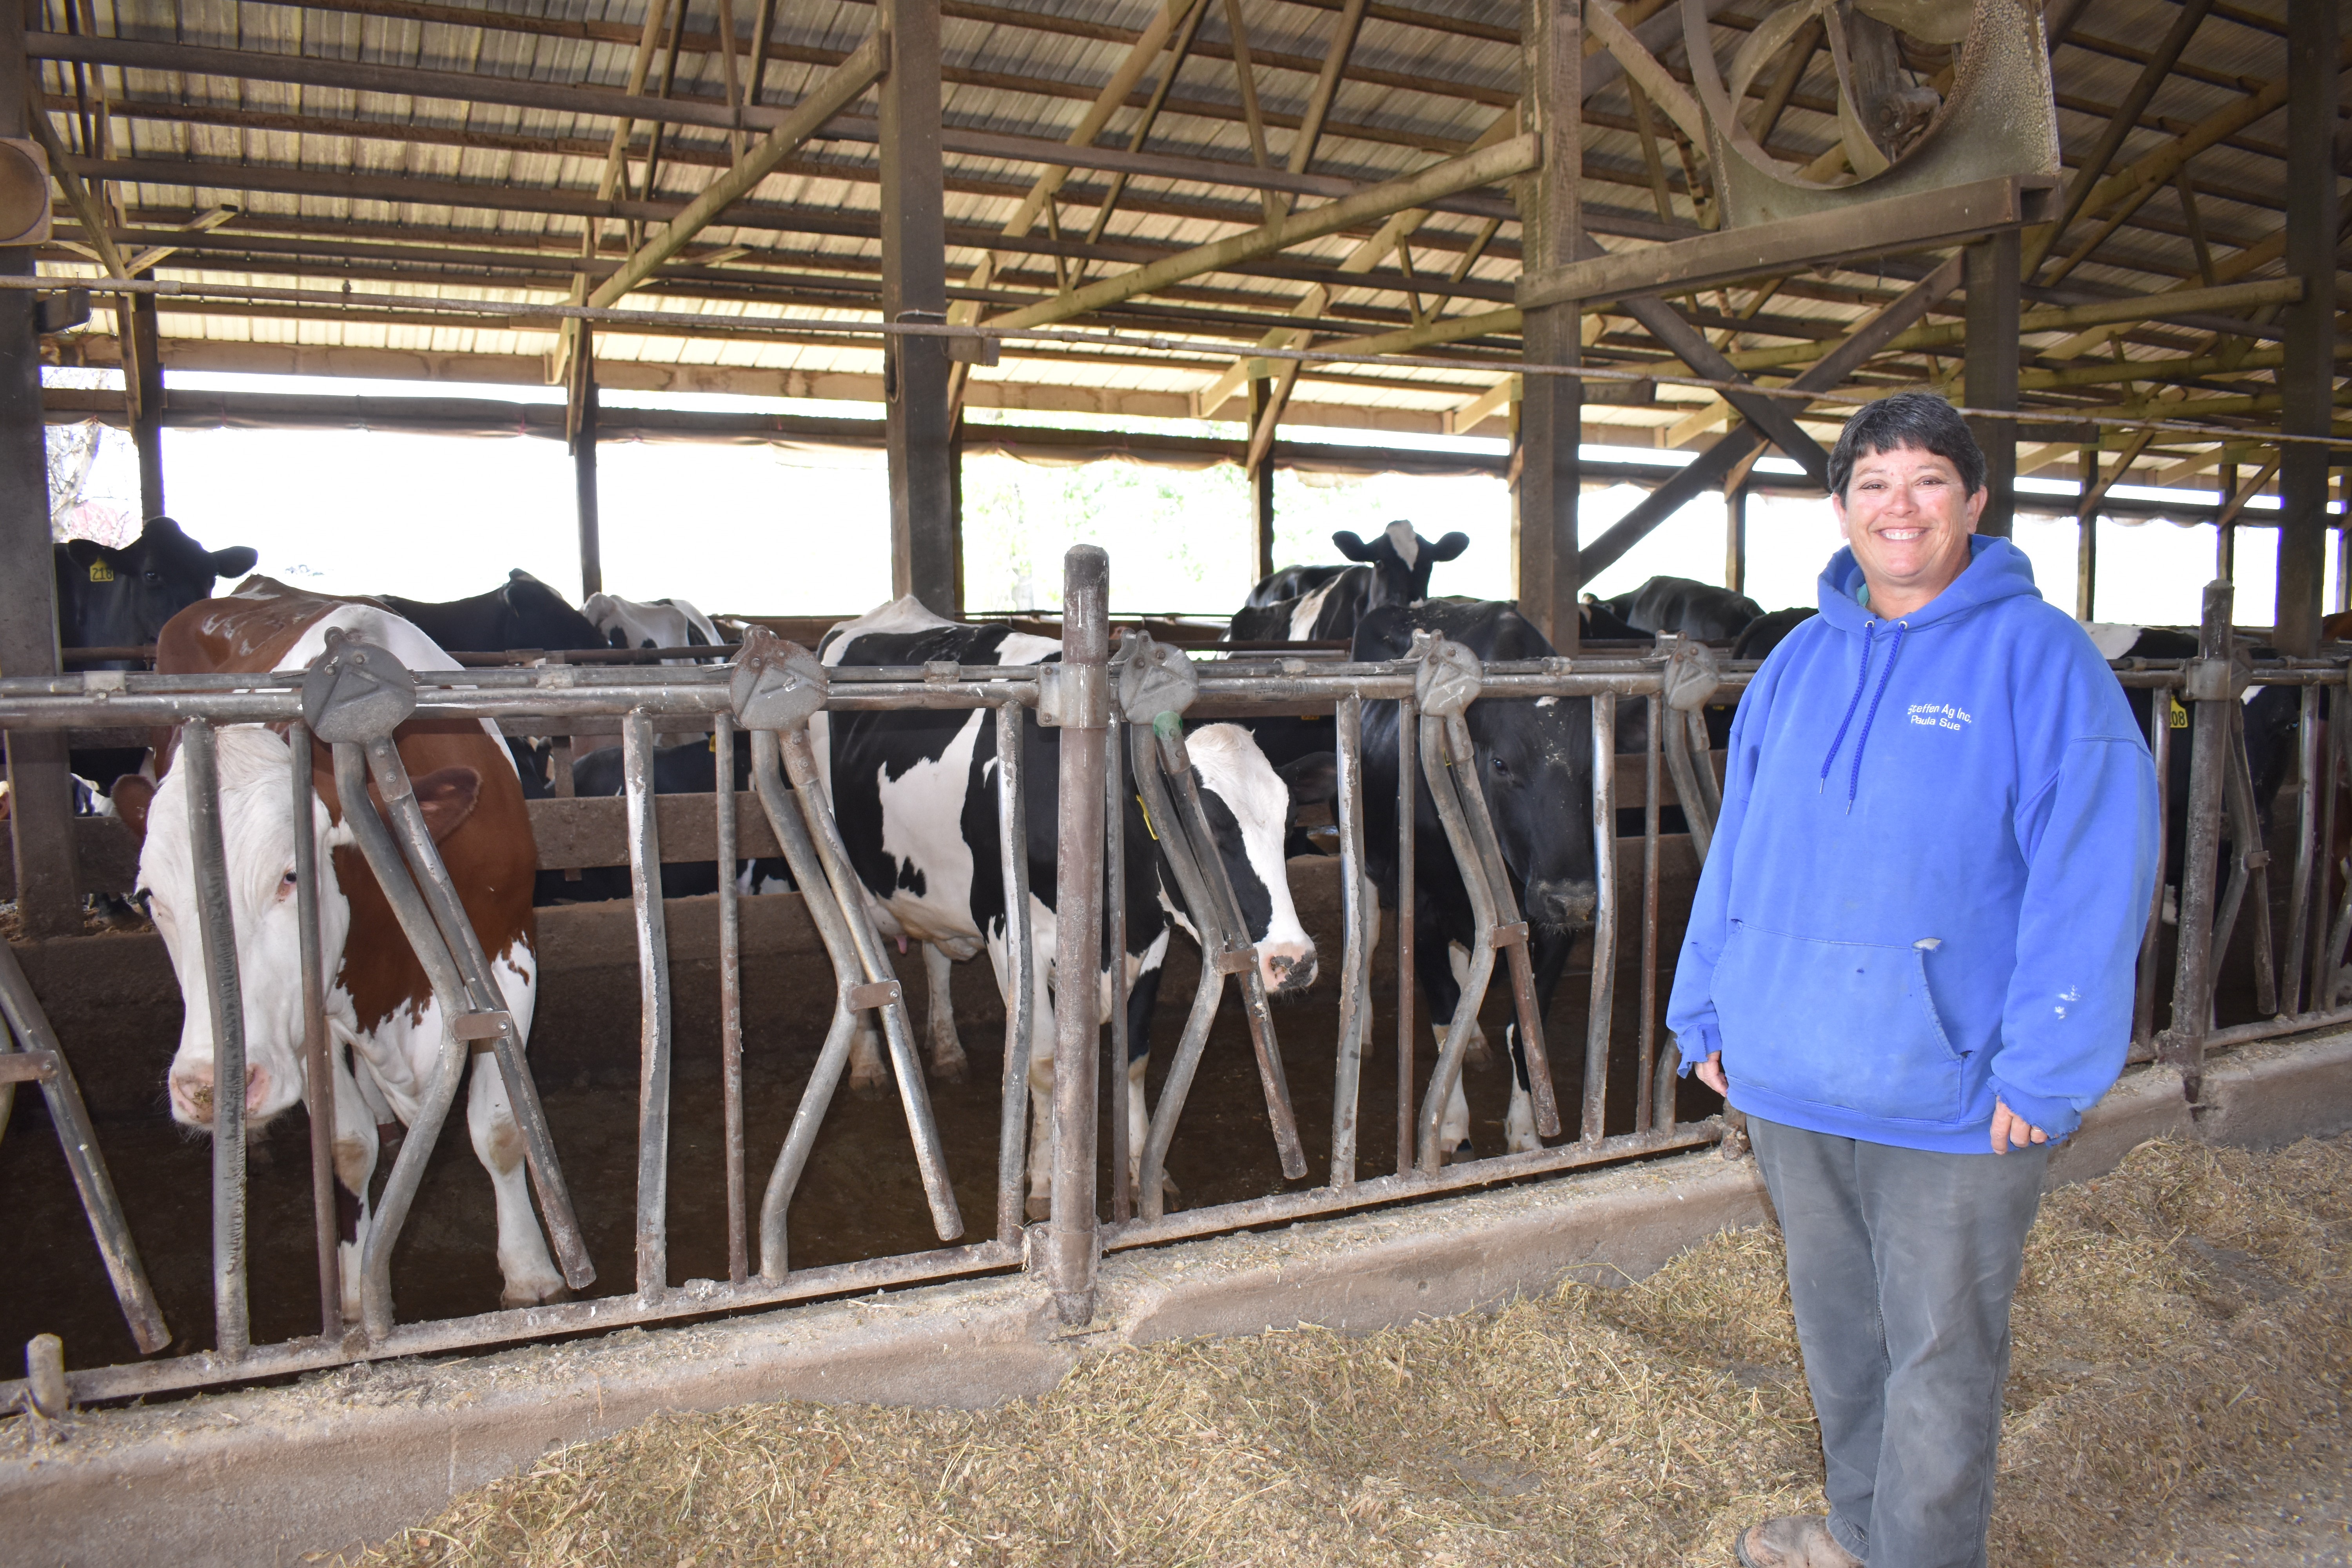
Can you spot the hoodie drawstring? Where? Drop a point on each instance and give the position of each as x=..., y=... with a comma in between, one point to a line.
x=1894, y=652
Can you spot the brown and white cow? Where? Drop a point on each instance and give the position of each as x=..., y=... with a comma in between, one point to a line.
x=385, y=1025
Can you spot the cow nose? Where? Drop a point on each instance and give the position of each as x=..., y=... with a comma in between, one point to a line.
x=1288, y=974
x=1561, y=903
x=192, y=1093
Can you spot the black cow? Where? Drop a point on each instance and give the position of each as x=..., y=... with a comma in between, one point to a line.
x=1685, y=608
x=689, y=768
x=1535, y=762
x=521, y=613
x=109, y=597
x=914, y=794
x=1321, y=603
x=1759, y=637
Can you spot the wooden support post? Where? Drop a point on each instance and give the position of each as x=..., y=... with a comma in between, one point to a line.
x=584, y=461
x=1261, y=489
x=2086, y=539
x=1551, y=408
x=2342, y=600
x=915, y=286
x=2307, y=378
x=142, y=388
x=1734, y=539
x=2225, y=537
x=48, y=888
x=1990, y=380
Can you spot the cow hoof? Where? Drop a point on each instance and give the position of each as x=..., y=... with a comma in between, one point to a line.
x=953, y=1069
x=868, y=1085
x=1479, y=1054
x=1461, y=1153
x=534, y=1295
x=1038, y=1208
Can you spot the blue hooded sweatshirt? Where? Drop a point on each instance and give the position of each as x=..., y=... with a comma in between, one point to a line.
x=1930, y=883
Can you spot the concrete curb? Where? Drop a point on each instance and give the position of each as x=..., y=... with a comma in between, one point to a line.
x=354, y=1455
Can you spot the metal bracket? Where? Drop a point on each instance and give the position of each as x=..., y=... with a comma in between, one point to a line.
x=2216, y=680
x=1236, y=960
x=355, y=691
x=940, y=671
x=1155, y=678
x=1691, y=676
x=480, y=1026
x=1072, y=697
x=877, y=993
x=777, y=685
x=1448, y=680
x=1512, y=935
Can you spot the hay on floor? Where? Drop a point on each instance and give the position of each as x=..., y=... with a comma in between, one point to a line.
x=2184, y=1331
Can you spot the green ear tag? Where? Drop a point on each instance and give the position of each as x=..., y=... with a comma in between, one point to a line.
x=100, y=572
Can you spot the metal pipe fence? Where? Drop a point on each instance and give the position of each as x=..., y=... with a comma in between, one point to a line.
x=1122, y=717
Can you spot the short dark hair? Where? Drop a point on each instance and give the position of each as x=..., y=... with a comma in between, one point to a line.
x=1918, y=419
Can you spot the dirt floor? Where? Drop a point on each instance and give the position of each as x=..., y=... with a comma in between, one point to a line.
x=2184, y=1333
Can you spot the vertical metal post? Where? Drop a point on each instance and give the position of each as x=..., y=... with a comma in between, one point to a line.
x=1072, y=1248
x=730, y=998
x=2183, y=1045
x=1020, y=961
x=1356, y=958
x=215, y=929
x=2323, y=993
x=918, y=419
x=653, y=995
x=2159, y=746
x=1115, y=1054
x=49, y=888
x=1261, y=486
x=318, y=1051
x=143, y=378
x=1991, y=275
x=1604, y=914
x=584, y=462
x=2307, y=846
x=1734, y=539
x=2307, y=377
x=1656, y=1079
x=1552, y=411
x=1408, y=802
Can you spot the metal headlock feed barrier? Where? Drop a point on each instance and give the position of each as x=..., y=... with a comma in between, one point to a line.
x=1122, y=724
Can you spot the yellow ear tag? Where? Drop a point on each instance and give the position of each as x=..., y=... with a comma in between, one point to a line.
x=2178, y=718
x=100, y=572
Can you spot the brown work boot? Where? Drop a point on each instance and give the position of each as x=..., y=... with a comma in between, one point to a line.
x=1792, y=1540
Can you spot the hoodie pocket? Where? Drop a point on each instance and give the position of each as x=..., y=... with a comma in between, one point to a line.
x=1847, y=1023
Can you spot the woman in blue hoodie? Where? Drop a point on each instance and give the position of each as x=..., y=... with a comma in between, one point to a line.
x=1910, y=963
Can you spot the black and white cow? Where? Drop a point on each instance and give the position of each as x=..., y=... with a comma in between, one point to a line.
x=521, y=613
x=120, y=597
x=661, y=623
x=1535, y=762
x=914, y=794
x=1320, y=603
x=1685, y=607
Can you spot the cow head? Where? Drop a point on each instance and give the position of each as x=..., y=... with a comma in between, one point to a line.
x=1401, y=560
x=535, y=616
x=121, y=597
x=258, y=838
x=1248, y=806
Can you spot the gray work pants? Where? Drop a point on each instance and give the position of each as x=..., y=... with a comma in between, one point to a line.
x=1901, y=1265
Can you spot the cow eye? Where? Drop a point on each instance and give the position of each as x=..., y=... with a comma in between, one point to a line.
x=288, y=883
x=1499, y=765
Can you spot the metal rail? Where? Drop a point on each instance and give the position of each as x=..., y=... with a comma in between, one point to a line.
x=772, y=689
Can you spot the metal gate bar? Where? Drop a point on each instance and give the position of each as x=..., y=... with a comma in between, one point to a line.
x=318, y=1049
x=1356, y=906
x=216, y=934
x=1020, y=963
x=730, y=996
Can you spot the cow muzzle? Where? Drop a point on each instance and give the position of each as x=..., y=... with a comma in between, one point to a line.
x=1287, y=970
x=192, y=1093
x=1562, y=905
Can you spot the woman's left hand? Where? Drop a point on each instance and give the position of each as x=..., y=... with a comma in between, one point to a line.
x=2010, y=1130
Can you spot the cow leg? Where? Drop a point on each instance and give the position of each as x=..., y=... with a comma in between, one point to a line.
x=1433, y=956
x=947, y=1047
x=1142, y=996
x=1040, y=1061
x=356, y=1146
x=1479, y=1054
x=529, y=1273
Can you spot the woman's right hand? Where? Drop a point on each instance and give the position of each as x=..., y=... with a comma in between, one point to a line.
x=1710, y=1073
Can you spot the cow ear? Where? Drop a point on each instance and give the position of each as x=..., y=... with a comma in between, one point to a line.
x=447, y=797
x=1447, y=548
x=86, y=551
x=132, y=794
x=1311, y=779
x=235, y=560
x=1351, y=546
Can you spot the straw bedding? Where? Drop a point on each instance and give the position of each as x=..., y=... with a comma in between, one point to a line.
x=2184, y=1332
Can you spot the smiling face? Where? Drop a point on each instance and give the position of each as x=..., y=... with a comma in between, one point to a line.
x=1908, y=514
